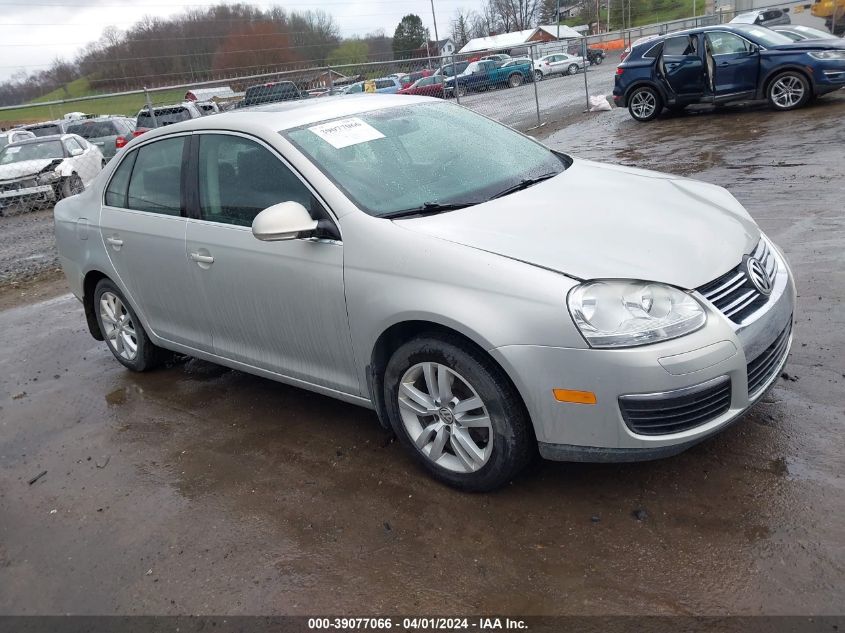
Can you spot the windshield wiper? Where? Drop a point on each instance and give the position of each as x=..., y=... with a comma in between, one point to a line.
x=524, y=184
x=429, y=208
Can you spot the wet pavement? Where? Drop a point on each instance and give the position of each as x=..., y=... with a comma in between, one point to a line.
x=196, y=489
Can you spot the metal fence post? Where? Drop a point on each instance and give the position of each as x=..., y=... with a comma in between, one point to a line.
x=534, y=82
x=331, y=79
x=150, y=107
x=455, y=78
x=586, y=88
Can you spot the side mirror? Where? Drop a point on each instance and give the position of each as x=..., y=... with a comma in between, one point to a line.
x=283, y=221
x=77, y=152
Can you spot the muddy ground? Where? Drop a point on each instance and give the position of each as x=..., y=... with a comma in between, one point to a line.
x=196, y=489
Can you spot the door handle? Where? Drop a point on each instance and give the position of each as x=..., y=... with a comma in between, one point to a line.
x=115, y=241
x=202, y=259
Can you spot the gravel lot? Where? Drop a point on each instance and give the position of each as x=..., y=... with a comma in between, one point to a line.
x=196, y=489
x=27, y=246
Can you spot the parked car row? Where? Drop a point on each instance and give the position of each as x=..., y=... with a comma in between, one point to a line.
x=727, y=63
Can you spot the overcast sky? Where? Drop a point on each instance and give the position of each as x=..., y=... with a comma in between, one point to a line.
x=36, y=32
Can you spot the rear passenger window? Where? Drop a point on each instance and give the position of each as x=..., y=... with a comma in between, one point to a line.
x=119, y=184
x=679, y=46
x=239, y=178
x=155, y=185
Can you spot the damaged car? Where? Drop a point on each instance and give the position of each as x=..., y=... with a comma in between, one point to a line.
x=40, y=171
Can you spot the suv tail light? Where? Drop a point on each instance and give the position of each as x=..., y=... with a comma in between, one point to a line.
x=619, y=70
x=120, y=141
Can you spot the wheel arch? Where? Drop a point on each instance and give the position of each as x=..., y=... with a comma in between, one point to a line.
x=763, y=91
x=399, y=333
x=640, y=83
x=89, y=285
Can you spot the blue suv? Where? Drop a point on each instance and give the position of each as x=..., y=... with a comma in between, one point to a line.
x=729, y=62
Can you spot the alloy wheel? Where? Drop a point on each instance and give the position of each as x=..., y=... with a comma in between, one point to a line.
x=76, y=185
x=445, y=417
x=787, y=91
x=643, y=104
x=119, y=330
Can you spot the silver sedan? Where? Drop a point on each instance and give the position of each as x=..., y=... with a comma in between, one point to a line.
x=488, y=297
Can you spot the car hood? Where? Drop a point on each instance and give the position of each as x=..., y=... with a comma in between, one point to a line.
x=811, y=45
x=599, y=221
x=23, y=169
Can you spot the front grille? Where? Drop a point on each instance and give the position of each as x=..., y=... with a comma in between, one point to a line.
x=18, y=184
x=763, y=367
x=733, y=294
x=676, y=411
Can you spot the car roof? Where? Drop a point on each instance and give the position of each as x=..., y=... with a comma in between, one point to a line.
x=274, y=117
x=42, y=139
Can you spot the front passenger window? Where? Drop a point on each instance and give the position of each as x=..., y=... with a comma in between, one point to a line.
x=239, y=178
x=727, y=43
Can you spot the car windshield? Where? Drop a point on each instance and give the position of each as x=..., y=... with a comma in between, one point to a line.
x=93, y=129
x=423, y=155
x=31, y=151
x=764, y=36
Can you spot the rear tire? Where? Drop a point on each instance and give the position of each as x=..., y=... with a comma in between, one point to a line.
x=122, y=330
x=788, y=90
x=573, y=68
x=515, y=80
x=644, y=104
x=458, y=398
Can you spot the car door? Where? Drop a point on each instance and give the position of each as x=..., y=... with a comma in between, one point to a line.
x=736, y=64
x=682, y=67
x=278, y=306
x=143, y=228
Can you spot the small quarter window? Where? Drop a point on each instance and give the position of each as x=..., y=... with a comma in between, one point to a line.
x=155, y=185
x=119, y=184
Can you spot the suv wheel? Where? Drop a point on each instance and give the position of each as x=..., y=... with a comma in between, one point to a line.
x=789, y=90
x=644, y=104
x=461, y=90
x=515, y=80
x=457, y=413
x=122, y=330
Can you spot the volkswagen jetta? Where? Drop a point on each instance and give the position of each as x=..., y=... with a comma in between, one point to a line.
x=487, y=296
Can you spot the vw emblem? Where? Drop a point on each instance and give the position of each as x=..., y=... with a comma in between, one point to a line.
x=446, y=415
x=756, y=273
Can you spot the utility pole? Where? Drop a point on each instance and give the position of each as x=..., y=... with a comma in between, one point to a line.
x=557, y=21
x=434, y=19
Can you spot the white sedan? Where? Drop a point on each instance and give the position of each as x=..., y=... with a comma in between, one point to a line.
x=558, y=64
x=45, y=169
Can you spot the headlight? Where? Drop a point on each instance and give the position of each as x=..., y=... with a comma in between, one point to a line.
x=625, y=313
x=47, y=178
x=827, y=55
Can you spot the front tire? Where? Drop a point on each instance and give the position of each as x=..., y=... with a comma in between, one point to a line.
x=71, y=186
x=788, y=90
x=122, y=330
x=457, y=413
x=645, y=104
x=461, y=91
x=538, y=75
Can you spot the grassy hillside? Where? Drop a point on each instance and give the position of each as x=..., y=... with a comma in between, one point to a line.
x=106, y=105
x=77, y=88
x=675, y=10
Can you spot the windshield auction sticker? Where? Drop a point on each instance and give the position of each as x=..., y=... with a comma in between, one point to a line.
x=346, y=132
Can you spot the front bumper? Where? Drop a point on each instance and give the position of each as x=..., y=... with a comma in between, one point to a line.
x=11, y=194
x=599, y=432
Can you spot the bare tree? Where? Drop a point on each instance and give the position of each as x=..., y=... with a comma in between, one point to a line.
x=517, y=15
x=462, y=27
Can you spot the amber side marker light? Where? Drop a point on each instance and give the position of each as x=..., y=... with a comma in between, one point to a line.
x=576, y=397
